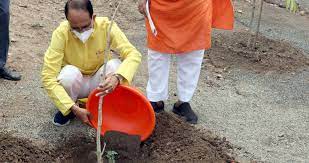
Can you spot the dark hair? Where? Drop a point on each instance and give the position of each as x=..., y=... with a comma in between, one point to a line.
x=79, y=5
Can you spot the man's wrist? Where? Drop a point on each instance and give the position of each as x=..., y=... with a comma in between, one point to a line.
x=119, y=78
x=74, y=108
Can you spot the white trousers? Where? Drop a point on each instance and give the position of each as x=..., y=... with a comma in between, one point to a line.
x=188, y=72
x=78, y=85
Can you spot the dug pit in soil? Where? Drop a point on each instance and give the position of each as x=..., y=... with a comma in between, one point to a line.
x=231, y=51
x=172, y=140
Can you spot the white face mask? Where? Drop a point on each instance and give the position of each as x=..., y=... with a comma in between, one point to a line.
x=84, y=36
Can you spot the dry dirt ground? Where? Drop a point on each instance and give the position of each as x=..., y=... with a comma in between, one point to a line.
x=256, y=102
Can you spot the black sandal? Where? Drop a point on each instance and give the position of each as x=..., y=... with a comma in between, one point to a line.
x=185, y=110
x=157, y=108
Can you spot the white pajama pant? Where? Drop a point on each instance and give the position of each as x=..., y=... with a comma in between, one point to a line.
x=188, y=72
x=78, y=85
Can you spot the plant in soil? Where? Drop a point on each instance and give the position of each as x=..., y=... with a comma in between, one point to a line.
x=100, y=152
x=291, y=5
x=173, y=140
x=111, y=156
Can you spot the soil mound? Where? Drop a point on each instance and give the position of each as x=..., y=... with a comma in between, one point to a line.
x=231, y=51
x=173, y=140
x=21, y=150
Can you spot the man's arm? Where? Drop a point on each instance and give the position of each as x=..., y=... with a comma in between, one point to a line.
x=129, y=55
x=52, y=65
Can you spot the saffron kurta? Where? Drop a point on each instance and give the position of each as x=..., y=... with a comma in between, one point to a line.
x=185, y=25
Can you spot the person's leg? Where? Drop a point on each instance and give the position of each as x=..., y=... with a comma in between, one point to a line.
x=82, y=86
x=96, y=79
x=188, y=71
x=4, y=31
x=71, y=79
x=157, y=86
x=4, y=41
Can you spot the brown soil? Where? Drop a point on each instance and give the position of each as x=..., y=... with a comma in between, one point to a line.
x=173, y=140
x=127, y=146
x=268, y=55
x=20, y=150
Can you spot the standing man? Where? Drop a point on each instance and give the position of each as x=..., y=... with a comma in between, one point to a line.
x=181, y=28
x=5, y=73
x=73, y=63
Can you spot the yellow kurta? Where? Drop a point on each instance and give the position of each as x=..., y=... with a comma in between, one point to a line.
x=66, y=49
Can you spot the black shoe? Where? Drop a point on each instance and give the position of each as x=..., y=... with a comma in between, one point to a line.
x=157, y=107
x=6, y=73
x=60, y=120
x=185, y=110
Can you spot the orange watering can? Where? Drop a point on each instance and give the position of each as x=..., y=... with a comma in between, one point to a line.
x=125, y=110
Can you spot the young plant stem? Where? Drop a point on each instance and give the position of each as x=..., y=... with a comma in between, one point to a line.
x=258, y=24
x=101, y=102
x=103, y=150
x=99, y=157
x=251, y=23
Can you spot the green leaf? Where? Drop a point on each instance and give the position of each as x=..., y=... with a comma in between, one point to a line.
x=291, y=5
x=111, y=155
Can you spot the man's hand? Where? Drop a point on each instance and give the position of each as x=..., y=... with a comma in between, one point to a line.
x=80, y=113
x=142, y=7
x=108, y=86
